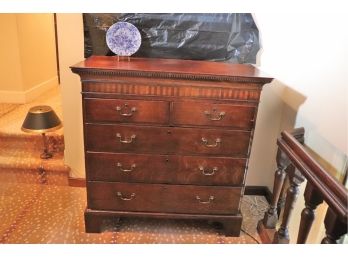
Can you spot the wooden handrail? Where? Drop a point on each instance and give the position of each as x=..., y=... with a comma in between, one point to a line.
x=333, y=192
x=296, y=164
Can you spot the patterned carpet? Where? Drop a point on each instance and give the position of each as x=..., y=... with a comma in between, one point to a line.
x=35, y=213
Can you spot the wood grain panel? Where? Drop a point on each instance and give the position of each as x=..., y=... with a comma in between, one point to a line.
x=166, y=140
x=213, y=114
x=163, y=198
x=171, y=68
x=211, y=171
x=126, y=111
x=151, y=88
x=143, y=168
x=168, y=169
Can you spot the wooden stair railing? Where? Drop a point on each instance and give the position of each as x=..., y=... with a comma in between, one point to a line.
x=295, y=164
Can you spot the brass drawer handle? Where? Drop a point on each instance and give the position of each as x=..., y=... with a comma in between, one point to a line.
x=123, y=110
x=211, y=198
x=119, y=194
x=119, y=165
x=214, y=115
x=216, y=144
x=125, y=141
x=206, y=172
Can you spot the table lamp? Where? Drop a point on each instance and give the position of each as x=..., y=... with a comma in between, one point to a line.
x=42, y=119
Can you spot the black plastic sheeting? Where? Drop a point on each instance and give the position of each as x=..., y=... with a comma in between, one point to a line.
x=230, y=37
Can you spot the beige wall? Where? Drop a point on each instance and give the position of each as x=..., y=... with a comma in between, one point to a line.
x=264, y=148
x=37, y=46
x=10, y=64
x=311, y=65
x=70, y=47
x=28, y=57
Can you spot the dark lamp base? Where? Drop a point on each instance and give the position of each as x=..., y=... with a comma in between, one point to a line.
x=46, y=155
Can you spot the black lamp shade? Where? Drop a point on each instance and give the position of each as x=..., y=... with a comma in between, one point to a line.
x=41, y=119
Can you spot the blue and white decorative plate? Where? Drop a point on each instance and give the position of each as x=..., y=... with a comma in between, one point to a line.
x=123, y=38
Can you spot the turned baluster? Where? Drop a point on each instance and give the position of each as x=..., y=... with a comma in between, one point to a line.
x=312, y=199
x=298, y=134
x=271, y=216
x=295, y=179
x=335, y=227
x=281, y=201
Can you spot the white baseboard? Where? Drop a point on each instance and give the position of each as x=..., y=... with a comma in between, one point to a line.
x=29, y=95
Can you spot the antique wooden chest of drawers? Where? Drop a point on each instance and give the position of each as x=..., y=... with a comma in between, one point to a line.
x=167, y=138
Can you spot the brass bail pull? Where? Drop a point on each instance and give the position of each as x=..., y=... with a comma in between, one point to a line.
x=206, y=172
x=119, y=165
x=123, y=198
x=211, y=145
x=125, y=111
x=210, y=199
x=214, y=115
x=126, y=140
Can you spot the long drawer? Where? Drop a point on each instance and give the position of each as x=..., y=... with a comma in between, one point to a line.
x=126, y=111
x=213, y=114
x=166, y=140
x=168, y=169
x=163, y=198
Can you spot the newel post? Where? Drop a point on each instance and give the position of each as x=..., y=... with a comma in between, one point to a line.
x=270, y=218
x=295, y=179
x=283, y=168
x=335, y=228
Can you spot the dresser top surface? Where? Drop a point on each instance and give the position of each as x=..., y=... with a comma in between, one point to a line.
x=172, y=66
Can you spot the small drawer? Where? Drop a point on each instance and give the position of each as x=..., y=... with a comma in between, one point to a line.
x=213, y=114
x=144, y=168
x=219, y=171
x=163, y=198
x=126, y=111
x=166, y=140
x=128, y=139
x=218, y=142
